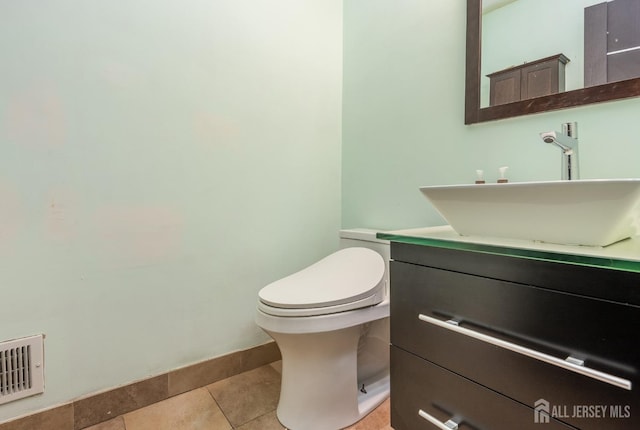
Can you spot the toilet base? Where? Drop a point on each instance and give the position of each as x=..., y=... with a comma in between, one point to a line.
x=323, y=376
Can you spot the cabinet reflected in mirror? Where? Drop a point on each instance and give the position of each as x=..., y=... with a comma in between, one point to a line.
x=537, y=56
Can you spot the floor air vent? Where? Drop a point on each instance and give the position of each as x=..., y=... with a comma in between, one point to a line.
x=21, y=368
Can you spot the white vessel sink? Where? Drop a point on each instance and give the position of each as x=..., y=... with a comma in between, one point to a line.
x=594, y=212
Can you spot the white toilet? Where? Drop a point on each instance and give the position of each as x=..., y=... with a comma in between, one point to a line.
x=331, y=322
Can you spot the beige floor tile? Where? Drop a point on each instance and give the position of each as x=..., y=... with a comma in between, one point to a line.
x=247, y=396
x=277, y=365
x=265, y=422
x=378, y=419
x=114, y=424
x=194, y=410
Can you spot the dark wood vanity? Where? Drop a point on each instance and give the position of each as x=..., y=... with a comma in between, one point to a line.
x=490, y=338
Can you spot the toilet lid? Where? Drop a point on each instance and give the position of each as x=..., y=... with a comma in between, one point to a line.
x=351, y=275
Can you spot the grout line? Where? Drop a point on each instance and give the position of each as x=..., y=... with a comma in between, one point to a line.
x=219, y=407
x=260, y=416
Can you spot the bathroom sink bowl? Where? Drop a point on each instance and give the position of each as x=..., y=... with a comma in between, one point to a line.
x=584, y=212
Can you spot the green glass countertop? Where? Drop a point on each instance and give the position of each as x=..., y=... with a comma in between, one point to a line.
x=623, y=255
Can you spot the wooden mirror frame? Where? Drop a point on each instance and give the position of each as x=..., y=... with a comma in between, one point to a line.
x=475, y=114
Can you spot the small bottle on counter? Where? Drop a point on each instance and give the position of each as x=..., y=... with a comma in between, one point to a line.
x=479, y=177
x=503, y=171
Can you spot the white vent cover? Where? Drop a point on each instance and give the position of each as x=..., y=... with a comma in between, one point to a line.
x=21, y=368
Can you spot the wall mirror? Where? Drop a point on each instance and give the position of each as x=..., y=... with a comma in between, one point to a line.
x=531, y=56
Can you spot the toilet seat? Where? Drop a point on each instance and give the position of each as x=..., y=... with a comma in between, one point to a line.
x=351, y=278
x=343, y=307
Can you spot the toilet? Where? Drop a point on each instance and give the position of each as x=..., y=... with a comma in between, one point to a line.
x=331, y=323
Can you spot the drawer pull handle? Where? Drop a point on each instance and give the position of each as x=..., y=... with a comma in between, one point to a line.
x=449, y=425
x=567, y=365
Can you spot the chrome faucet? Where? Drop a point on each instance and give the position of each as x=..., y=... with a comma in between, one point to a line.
x=567, y=141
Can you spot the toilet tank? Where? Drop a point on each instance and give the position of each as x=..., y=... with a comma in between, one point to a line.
x=366, y=238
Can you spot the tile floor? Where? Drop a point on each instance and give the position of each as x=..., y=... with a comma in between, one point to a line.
x=244, y=402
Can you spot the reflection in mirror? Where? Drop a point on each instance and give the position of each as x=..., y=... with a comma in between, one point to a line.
x=508, y=27
x=524, y=31
x=540, y=55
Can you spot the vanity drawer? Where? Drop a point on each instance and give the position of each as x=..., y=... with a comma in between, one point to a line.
x=418, y=385
x=545, y=326
x=598, y=282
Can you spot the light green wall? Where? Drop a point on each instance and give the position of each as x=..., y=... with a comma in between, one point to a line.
x=160, y=162
x=403, y=111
